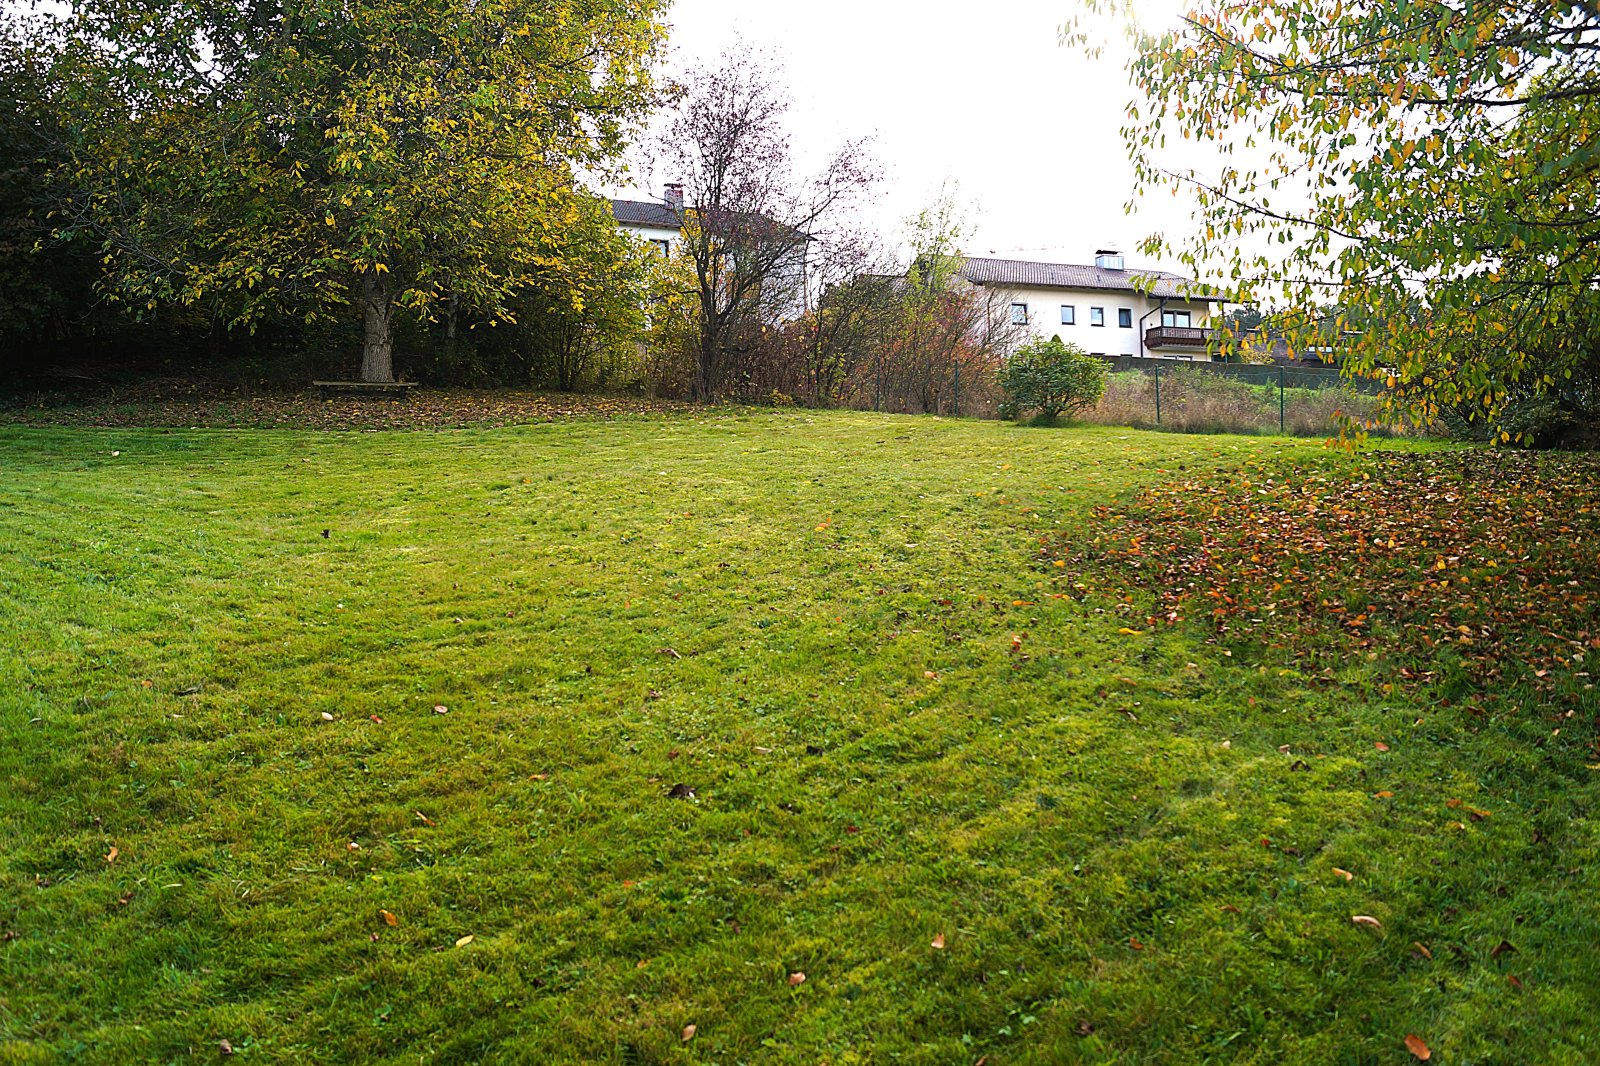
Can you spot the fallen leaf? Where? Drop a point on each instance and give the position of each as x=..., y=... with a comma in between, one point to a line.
x=111, y=856
x=938, y=942
x=1502, y=948
x=1346, y=874
x=641, y=964
x=1415, y=1045
x=930, y=675
x=425, y=819
x=1133, y=942
x=1125, y=631
x=688, y=1032
x=1229, y=908
x=852, y=829
x=1516, y=982
x=797, y=978
x=389, y=917
x=1367, y=920
x=1380, y=745
x=439, y=708
x=326, y=717
x=1419, y=948
x=375, y=718
x=464, y=941
x=225, y=1047
x=1385, y=794
x=671, y=653
x=352, y=846
x=538, y=777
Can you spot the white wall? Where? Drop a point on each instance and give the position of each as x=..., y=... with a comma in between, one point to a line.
x=652, y=233
x=1044, y=317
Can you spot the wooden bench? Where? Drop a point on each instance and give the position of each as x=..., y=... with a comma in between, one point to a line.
x=398, y=391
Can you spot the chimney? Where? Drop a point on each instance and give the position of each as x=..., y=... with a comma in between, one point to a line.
x=674, y=197
x=1108, y=259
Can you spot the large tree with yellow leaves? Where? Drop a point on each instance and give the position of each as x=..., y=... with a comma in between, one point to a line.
x=318, y=157
x=1432, y=167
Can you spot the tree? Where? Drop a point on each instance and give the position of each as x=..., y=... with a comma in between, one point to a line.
x=747, y=220
x=1378, y=151
x=1050, y=378
x=855, y=306
x=45, y=285
x=305, y=158
x=949, y=330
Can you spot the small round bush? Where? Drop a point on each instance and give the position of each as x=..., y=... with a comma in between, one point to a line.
x=1050, y=378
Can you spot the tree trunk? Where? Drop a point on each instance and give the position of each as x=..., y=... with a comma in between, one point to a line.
x=377, y=349
x=705, y=363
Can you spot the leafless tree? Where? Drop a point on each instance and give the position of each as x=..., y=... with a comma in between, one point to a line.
x=747, y=220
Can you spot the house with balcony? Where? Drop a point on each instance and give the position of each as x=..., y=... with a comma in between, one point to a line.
x=1105, y=308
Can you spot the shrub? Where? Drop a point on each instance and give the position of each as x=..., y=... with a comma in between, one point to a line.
x=1051, y=378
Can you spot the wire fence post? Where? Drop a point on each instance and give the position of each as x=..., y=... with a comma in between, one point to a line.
x=1280, y=399
x=1158, y=394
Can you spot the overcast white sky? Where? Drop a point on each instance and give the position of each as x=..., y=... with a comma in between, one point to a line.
x=981, y=94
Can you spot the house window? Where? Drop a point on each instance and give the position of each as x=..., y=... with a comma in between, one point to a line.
x=1069, y=315
x=1019, y=314
x=1097, y=316
x=1125, y=317
x=664, y=247
x=1175, y=318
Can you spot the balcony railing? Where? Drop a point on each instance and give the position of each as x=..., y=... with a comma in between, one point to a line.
x=1180, y=336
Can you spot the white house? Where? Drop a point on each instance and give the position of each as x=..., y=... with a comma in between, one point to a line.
x=661, y=225
x=1105, y=309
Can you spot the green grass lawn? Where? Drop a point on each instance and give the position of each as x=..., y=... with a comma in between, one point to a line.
x=661, y=711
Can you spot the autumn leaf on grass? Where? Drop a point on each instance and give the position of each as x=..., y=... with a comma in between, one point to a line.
x=1415, y=1045
x=389, y=917
x=429, y=822
x=111, y=856
x=1367, y=920
x=797, y=978
x=938, y=942
x=689, y=1031
x=1380, y=745
x=1346, y=874
x=464, y=941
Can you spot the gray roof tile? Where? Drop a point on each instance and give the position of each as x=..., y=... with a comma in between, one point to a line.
x=1077, y=276
x=645, y=213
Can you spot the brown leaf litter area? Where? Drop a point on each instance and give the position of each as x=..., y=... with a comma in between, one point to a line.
x=1482, y=561
x=187, y=405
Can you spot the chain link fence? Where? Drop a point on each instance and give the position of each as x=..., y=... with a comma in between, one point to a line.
x=1208, y=397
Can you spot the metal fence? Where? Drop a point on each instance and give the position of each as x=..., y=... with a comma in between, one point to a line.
x=1210, y=397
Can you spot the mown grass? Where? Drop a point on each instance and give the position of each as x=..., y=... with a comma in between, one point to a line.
x=835, y=630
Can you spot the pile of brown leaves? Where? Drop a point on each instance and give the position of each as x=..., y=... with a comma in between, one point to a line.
x=190, y=406
x=1489, y=559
